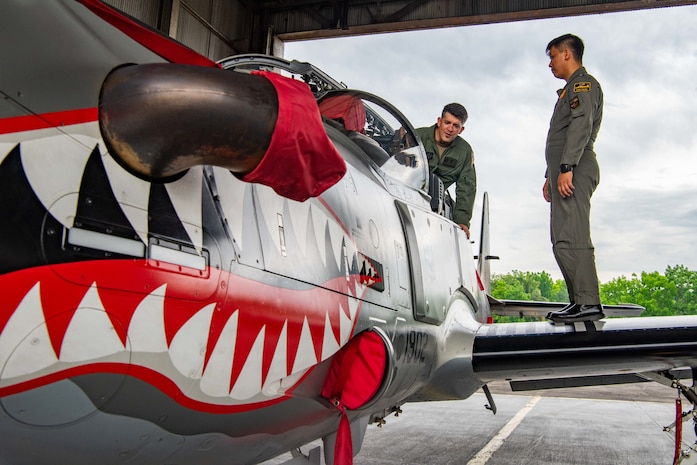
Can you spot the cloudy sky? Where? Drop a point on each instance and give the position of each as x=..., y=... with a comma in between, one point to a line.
x=644, y=213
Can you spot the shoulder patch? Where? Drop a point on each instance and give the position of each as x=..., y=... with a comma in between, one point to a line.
x=574, y=103
x=582, y=87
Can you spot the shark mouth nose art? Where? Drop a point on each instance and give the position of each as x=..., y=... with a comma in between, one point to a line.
x=60, y=329
x=67, y=314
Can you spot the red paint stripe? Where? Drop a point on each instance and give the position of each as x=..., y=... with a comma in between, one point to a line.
x=479, y=281
x=336, y=217
x=155, y=41
x=47, y=120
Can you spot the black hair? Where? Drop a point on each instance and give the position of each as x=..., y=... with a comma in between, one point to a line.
x=570, y=41
x=457, y=110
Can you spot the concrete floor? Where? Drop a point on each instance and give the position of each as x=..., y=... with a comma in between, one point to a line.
x=599, y=425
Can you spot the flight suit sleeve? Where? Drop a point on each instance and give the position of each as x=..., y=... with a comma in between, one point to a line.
x=465, y=192
x=582, y=106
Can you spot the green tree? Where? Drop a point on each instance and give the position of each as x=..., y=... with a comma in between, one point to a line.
x=526, y=285
x=686, y=287
x=621, y=290
x=653, y=291
x=507, y=287
x=672, y=293
x=519, y=285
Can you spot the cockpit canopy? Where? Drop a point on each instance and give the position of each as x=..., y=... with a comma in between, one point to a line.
x=380, y=131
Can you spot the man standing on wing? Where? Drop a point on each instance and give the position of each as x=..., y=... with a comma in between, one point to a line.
x=572, y=176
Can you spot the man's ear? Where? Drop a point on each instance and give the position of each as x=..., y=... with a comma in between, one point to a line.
x=462, y=129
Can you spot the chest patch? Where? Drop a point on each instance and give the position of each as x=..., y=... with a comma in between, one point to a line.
x=582, y=87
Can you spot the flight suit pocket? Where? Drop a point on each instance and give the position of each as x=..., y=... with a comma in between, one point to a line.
x=450, y=162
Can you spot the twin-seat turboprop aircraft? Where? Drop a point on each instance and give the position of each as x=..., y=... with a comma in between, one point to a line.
x=217, y=263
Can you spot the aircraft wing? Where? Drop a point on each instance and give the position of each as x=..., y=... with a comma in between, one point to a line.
x=523, y=308
x=543, y=355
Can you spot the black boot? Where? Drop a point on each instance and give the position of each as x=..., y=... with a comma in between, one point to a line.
x=578, y=312
x=563, y=309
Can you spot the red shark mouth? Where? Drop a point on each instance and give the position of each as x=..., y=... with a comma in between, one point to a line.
x=244, y=344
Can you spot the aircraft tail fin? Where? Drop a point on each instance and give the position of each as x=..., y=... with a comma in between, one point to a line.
x=484, y=257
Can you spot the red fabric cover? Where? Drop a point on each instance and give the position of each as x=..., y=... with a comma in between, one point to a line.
x=357, y=370
x=154, y=41
x=300, y=162
x=356, y=374
x=343, y=448
x=347, y=107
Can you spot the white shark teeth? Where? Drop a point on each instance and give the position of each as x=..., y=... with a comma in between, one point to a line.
x=249, y=382
x=133, y=195
x=277, y=370
x=186, y=197
x=346, y=322
x=305, y=356
x=146, y=331
x=90, y=334
x=25, y=346
x=188, y=347
x=329, y=345
x=42, y=158
x=216, y=378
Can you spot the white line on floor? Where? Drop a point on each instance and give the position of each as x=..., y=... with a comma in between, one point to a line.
x=492, y=446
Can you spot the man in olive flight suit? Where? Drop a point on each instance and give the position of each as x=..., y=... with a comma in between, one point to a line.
x=451, y=158
x=572, y=176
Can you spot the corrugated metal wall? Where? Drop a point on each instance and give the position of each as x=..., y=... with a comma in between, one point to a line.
x=150, y=12
x=219, y=28
x=214, y=28
x=210, y=26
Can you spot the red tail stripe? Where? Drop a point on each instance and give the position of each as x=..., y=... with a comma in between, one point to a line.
x=160, y=44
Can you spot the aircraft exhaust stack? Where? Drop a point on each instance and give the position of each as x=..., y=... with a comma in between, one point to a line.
x=179, y=110
x=159, y=120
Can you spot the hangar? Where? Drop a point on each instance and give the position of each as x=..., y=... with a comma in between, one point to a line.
x=220, y=28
